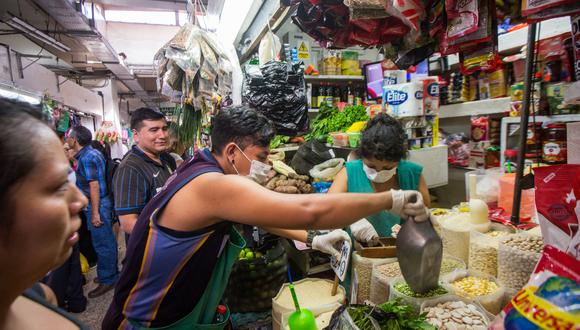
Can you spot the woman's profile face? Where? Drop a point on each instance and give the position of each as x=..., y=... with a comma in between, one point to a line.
x=45, y=214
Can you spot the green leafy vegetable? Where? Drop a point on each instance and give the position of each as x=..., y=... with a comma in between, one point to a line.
x=330, y=120
x=279, y=140
x=392, y=315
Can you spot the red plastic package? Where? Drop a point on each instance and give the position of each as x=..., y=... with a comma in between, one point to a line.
x=411, y=12
x=558, y=205
x=463, y=19
x=530, y=7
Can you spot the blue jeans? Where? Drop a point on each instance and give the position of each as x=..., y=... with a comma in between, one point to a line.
x=104, y=242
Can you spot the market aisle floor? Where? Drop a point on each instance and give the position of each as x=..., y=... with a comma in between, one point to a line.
x=97, y=307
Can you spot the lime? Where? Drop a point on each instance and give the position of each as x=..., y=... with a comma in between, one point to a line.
x=249, y=255
x=242, y=254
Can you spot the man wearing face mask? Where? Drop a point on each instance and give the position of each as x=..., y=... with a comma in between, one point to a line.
x=184, y=244
x=381, y=168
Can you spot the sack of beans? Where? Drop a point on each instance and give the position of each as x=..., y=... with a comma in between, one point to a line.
x=481, y=288
x=362, y=270
x=517, y=258
x=455, y=235
x=380, y=280
x=483, y=248
x=454, y=312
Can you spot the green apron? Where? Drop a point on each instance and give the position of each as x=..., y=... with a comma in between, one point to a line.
x=203, y=315
x=408, y=176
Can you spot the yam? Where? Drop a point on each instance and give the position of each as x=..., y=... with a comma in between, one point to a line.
x=291, y=183
x=271, y=185
x=298, y=177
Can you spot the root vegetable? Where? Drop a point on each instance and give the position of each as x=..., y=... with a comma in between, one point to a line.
x=287, y=190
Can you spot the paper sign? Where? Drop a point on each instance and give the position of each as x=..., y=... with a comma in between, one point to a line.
x=341, y=266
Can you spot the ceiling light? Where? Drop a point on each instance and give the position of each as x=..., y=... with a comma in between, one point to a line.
x=29, y=30
x=94, y=62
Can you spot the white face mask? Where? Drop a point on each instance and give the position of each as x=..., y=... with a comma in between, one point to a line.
x=258, y=170
x=379, y=177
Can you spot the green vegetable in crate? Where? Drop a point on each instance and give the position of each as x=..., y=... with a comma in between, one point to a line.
x=392, y=315
x=330, y=120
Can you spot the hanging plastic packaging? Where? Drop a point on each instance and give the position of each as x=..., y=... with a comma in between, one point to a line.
x=269, y=48
x=411, y=12
x=277, y=90
x=555, y=7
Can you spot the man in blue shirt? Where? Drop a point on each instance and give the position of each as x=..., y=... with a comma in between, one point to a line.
x=91, y=180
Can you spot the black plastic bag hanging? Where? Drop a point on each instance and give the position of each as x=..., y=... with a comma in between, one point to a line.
x=277, y=90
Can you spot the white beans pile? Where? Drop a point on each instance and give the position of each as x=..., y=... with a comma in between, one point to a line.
x=517, y=258
x=455, y=315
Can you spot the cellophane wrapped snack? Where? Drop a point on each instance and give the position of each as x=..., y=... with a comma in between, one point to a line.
x=551, y=299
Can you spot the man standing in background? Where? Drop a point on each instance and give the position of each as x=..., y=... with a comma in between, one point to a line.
x=91, y=180
x=144, y=169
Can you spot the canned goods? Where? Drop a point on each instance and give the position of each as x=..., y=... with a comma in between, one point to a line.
x=534, y=138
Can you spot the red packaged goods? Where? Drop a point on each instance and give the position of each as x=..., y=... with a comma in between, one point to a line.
x=551, y=298
x=409, y=11
x=530, y=7
x=467, y=20
x=557, y=202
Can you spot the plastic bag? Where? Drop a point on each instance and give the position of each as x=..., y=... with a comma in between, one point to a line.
x=514, y=264
x=323, y=315
x=455, y=236
x=310, y=154
x=483, y=250
x=409, y=11
x=362, y=270
x=487, y=317
x=412, y=301
x=555, y=281
x=492, y=302
x=380, y=282
x=277, y=90
x=341, y=320
x=327, y=170
x=467, y=20
x=269, y=48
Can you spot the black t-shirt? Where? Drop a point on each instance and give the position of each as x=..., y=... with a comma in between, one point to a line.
x=138, y=178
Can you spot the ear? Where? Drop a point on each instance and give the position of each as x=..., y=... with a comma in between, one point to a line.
x=230, y=151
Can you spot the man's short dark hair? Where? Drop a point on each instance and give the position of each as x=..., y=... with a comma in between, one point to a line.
x=242, y=125
x=383, y=139
x=82, y=134
x=141, y=114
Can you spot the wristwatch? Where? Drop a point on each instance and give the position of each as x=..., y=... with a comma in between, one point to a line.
x=310, y=236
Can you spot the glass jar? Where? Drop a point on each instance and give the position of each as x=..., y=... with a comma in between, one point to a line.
x=554, y=149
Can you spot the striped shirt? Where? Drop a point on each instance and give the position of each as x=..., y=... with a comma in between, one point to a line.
x=137, y=179
x=166, y=271
x=91, y=167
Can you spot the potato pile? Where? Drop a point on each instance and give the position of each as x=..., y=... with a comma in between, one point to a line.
x=291, y=184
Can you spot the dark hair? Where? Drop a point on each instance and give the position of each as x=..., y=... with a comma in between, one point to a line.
x=82, y=134
x=383, y=139
x=141, y=114
x=242, y=125
x=103, y=148
x=20, y=124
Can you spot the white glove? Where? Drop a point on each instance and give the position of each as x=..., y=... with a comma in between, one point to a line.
x=403, y=207
x=327, y=242
x=363, y=231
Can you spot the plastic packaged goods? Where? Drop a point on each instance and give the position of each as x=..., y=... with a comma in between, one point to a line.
x=403, y=100
x=483, y=249
x=481, y=288
x=453, y=312
x=313, y=294
x=362, y=270
x=339, y=139
x=517, y=258
x=455, y=236
x=400, y=289
x=328, y=170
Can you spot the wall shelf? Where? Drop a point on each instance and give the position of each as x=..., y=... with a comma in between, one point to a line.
x=475, y=108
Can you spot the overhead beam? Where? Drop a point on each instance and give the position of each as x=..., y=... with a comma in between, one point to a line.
x=168, y=5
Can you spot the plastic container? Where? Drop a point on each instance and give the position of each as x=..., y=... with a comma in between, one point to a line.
x=493, y=302
x=282, y=306
x=339, y=139
x=506, y=197
x=487, y=317
x=412, y=301
x=354, y=139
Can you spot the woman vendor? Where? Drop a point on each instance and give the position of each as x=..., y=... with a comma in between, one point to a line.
x=380, y=166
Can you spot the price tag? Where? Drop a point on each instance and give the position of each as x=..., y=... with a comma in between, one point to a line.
x=341, y=266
